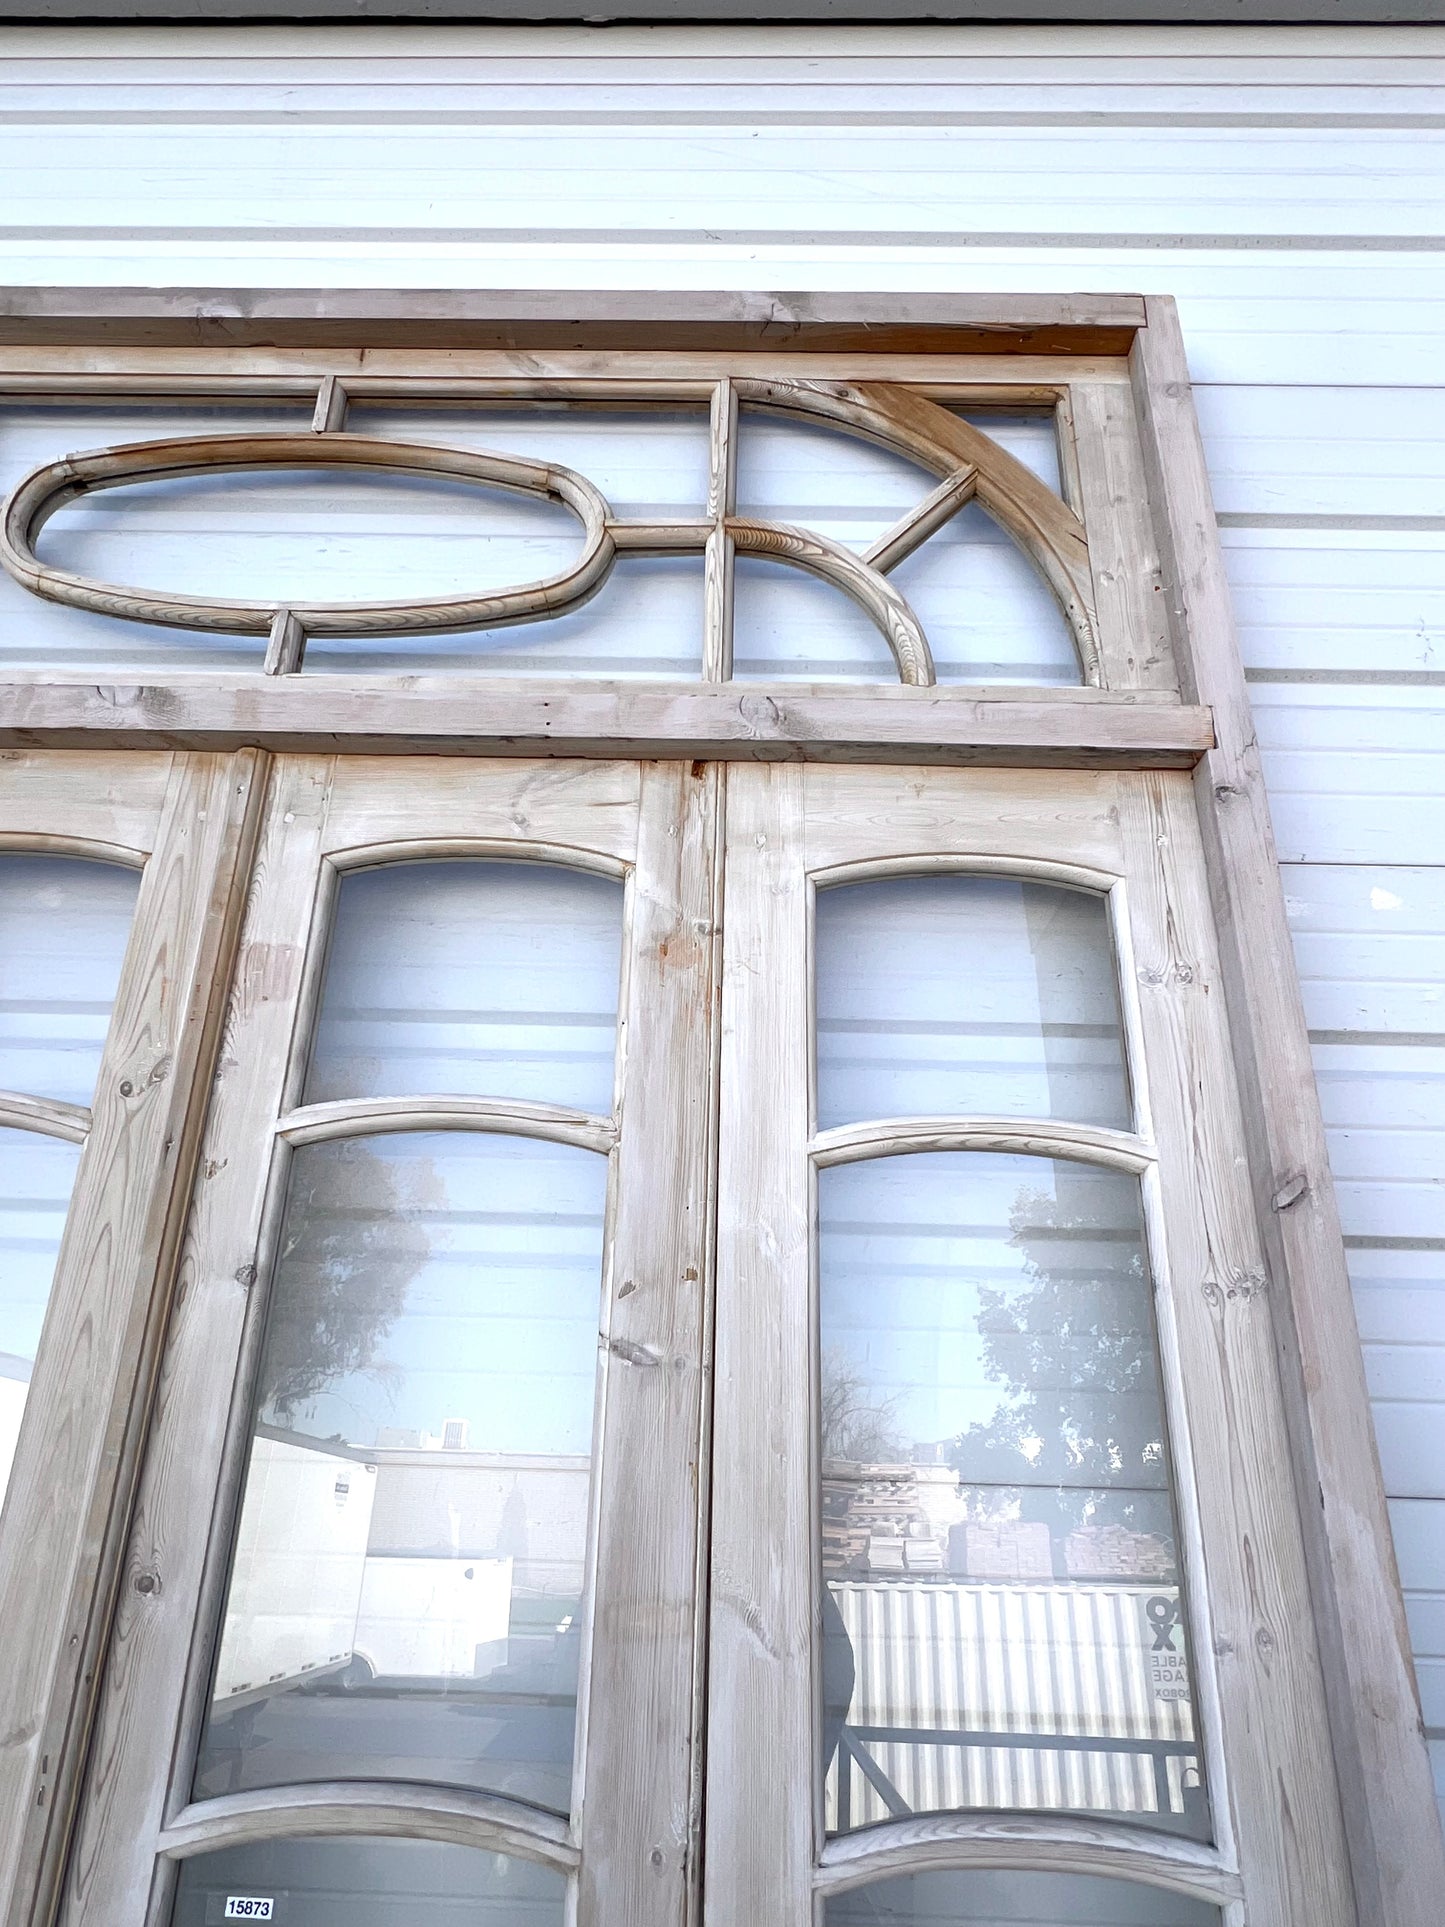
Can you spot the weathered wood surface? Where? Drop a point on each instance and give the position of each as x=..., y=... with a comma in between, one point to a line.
x=546, y=318
x=1272, y=1776
x=1053, y=1843
x=1397, y=1859
x=448, y=716
x=77, y=1466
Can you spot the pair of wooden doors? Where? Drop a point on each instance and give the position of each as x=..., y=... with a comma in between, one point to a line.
x=682, y=1613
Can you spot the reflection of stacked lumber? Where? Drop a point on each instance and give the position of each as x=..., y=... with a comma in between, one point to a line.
x=1001, y=1549
x=1114, y=1552
x=872, y=1521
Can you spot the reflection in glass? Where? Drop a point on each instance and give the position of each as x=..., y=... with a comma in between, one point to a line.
x=971, y=1898
x=471, y=978
x=406, y=1583
x=366, y=1882
x=1003, y=1624
x=36, y=1176
x=956, y=994
x=64, y=922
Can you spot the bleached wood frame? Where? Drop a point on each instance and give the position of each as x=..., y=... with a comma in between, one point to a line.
x=1171, y=696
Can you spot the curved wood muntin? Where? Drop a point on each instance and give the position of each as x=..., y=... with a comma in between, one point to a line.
x=969, y=463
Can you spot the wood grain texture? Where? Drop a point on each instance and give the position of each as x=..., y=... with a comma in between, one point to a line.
x=151, y=1664
x=722, y=502
x=1396, y=1854
x=396, y=1811
x=544, y=318
x=637, y=1819
x=76, y=1470
x=1273, y=1791
x=762, y=1615
x=1134, y=645
x=1031, y=1842
x=447, y=716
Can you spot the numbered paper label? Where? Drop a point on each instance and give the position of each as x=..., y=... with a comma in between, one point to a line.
x=248, y=1907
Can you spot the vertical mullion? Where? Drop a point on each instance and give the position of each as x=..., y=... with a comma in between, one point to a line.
x=637, y=1824
x=112, y=1285
x=762, y=1610
x=720, y=560
x=143, y=1701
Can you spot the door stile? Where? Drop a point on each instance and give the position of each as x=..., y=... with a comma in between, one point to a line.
x=636, y=1804
x=764, y=1622
x=129, y=1793
x=1284, y=1817
x=105, y=1326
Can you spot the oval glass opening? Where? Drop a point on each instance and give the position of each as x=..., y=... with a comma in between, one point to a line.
x=969, y=1898
x=312, y=535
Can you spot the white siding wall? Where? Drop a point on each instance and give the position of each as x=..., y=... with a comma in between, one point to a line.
x=1285, y=185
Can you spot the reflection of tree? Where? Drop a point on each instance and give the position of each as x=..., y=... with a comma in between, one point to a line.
x=351, y=1244
x=855, y=1426
x=1079, y=1425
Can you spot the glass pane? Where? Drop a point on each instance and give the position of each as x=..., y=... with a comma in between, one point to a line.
x=650, y=463
x=478, y=979
x=790, y=626
x=36, y=1176
x=407, y=1575
x=64, y=923
x=645, y=620
x=362, y=1882
x=988, y=613
x=1007, y=1899
x=955, y=994
x=1031, y=438
x=34, y=631
x=1002, y=1614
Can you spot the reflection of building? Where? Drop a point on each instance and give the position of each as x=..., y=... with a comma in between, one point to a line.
x=14, y=1385
x=1041, y=1695
x=915, y=1519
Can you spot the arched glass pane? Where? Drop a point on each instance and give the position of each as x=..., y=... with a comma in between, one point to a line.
x=476, y=979
x=955, y=994
x=406, y=1583
x=1002, y=1612
x=36, y=1177
x=990, y=1898
x=64, y=924
x=359, y=1881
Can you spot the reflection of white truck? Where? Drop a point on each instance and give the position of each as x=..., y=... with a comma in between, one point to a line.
x=310, y=1596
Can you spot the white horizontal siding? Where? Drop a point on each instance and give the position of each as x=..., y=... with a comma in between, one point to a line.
x=1284, y=185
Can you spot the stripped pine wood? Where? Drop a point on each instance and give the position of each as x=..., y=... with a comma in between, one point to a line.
x=1213, y=1295
x=638, y=1819
x=151, y=1655
x=449, y=716
x=1124, y=566
x=1397, y=1858
x=76, y=1470
x=632, y=1835
x=722, y=503
x=762, y=1618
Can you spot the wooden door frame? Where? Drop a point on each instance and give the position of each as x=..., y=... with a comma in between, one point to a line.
x=116, y=337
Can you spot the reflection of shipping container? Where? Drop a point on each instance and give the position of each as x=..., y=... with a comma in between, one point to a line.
x=310, y=1597
x=1014, y=1695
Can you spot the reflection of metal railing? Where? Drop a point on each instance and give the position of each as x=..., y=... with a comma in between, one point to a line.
x=854, y=1741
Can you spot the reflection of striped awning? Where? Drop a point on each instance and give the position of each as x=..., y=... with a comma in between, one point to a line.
x=947, y=1674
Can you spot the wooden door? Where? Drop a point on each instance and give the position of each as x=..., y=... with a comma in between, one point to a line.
x=1007, y=1578
x=414, y=1556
